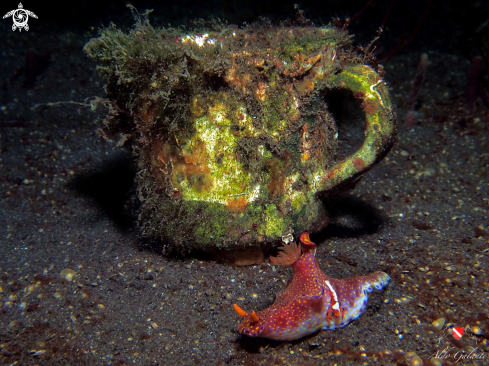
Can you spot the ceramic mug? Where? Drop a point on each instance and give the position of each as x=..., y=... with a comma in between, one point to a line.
x=230, y=129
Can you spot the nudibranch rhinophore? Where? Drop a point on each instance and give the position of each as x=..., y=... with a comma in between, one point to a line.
x=312, y=300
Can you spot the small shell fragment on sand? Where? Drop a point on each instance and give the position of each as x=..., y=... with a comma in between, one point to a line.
x=476, y=330
x=67, y=274
x=439, y=323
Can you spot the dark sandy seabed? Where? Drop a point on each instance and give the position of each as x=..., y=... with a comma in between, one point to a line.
x=421, y=215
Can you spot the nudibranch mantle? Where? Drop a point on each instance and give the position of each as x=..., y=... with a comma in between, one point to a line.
x=311, y=300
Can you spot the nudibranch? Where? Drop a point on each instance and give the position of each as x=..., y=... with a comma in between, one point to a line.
x=311, y=300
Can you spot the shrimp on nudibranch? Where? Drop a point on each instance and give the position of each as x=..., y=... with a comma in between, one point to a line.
x=312, y=300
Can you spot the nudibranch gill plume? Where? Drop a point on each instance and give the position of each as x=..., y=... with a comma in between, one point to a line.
x=311, y=300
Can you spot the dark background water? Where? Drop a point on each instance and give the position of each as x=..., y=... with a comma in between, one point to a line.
x=435, y=23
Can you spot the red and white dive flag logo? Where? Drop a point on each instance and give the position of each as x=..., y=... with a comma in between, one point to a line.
x=457, y=332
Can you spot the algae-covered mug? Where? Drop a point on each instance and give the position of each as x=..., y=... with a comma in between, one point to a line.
x=230, y=130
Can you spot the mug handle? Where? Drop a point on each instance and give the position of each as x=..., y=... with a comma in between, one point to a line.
x=380, y=129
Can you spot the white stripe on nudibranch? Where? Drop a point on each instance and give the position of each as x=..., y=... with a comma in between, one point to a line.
x=336, y=306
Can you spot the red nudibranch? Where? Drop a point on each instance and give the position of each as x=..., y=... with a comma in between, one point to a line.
x=311, y=300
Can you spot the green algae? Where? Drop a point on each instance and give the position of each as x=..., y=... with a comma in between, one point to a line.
x=229, y=128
